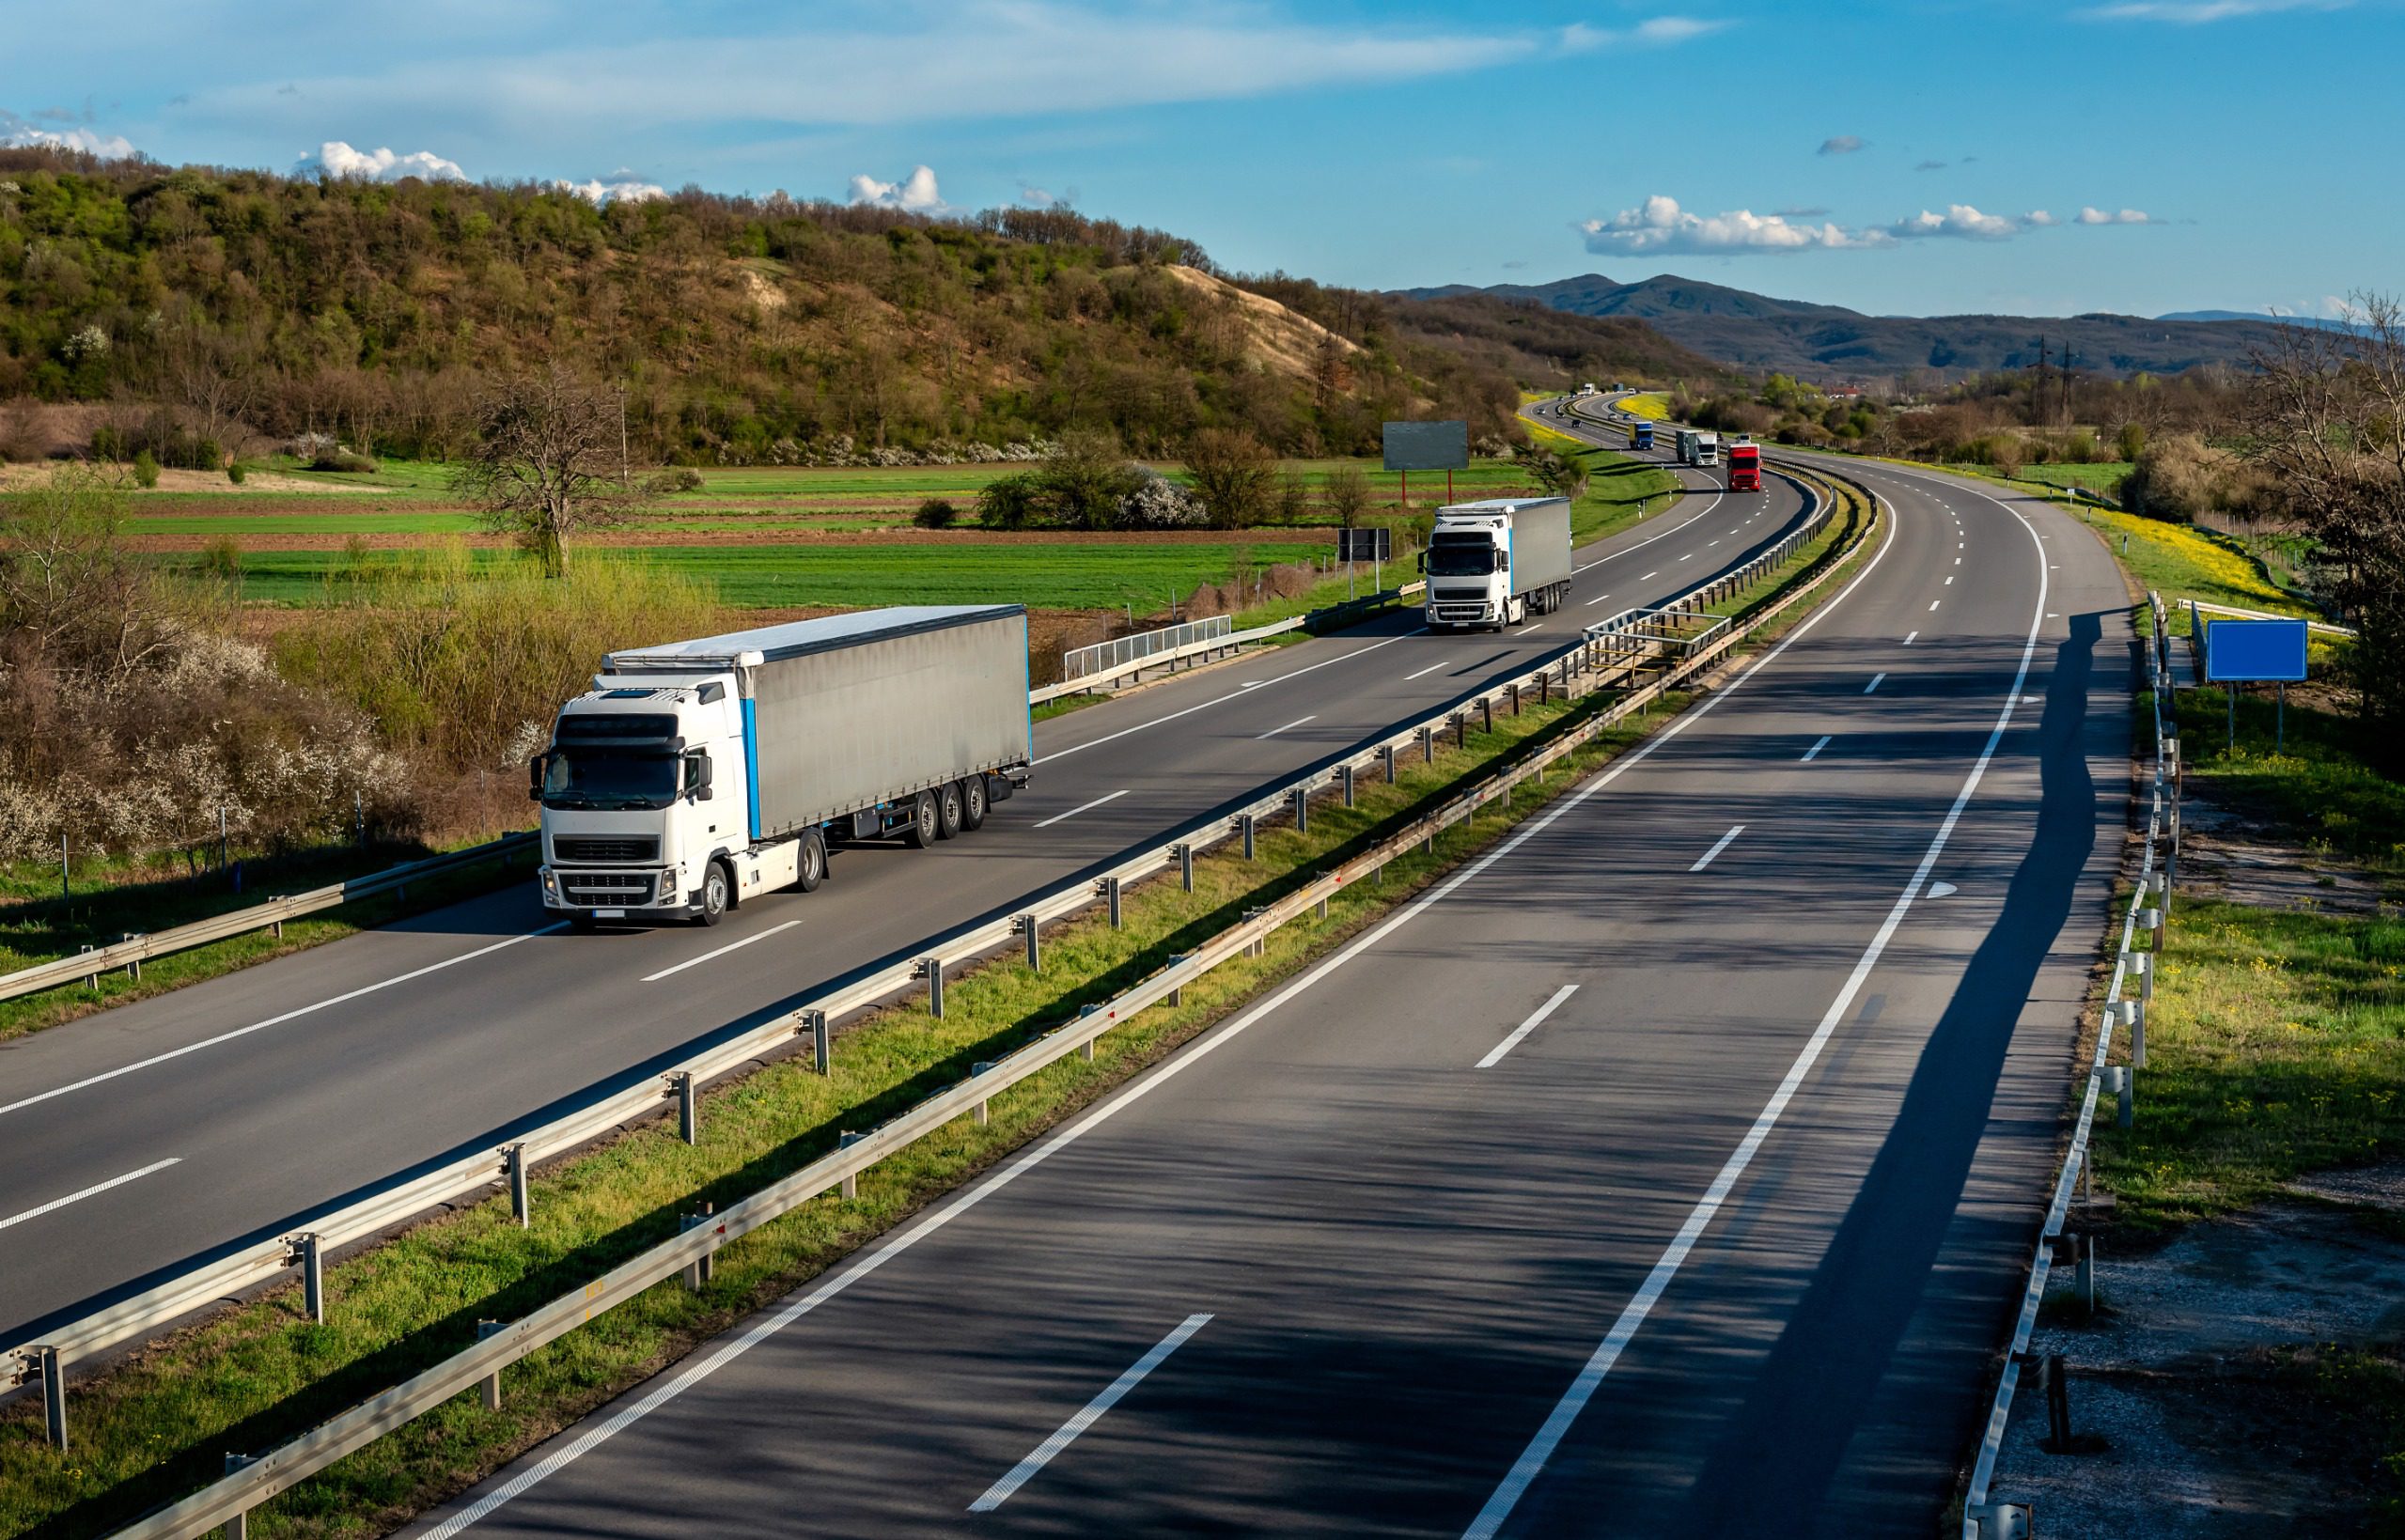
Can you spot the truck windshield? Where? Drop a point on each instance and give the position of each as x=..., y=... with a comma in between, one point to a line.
x=596, y=779
x=1463, y=558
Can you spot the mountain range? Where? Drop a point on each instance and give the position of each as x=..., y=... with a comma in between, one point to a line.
x=1831, y=345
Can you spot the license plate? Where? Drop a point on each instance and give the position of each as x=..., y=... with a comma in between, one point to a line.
x=609, y=915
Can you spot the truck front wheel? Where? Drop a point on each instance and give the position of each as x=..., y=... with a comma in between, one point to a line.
x=810, y=862
x=926, y=822
x=973, y=804
x=716, y=890
x=949, y=813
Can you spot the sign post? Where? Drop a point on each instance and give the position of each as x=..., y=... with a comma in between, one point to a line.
x=2260, y=651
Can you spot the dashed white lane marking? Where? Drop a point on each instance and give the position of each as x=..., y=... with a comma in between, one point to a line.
x=1536, y=1020
x=736, y=946
x=1597, y=599
x=1908, y=637
x=94, y=1188
x=1933, y=603
x=276, y=1020
x=1111, y=797
x=1814, y=752
x=1087, y=1417
x=1873, y=684
x=1649, y=576
x=1426, y=672
x=1274, y=731
x=1721, y=844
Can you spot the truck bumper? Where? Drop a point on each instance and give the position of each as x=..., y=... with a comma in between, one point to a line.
x=615, y=892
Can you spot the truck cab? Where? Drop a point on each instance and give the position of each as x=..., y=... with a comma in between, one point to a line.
x=1744, y=466
x=1493, y=563
x=643, y=792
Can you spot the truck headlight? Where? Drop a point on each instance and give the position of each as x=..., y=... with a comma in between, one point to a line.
x=551, y=883
x=668, y=890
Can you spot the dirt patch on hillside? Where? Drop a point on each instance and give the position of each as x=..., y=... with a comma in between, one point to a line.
x=1277, y=337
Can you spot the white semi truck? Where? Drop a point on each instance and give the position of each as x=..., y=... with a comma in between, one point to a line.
x=1695, y=448
x=698, y=774
x=1494, y=563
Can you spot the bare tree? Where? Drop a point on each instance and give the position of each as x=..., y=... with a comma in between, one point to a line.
x=213, y=372
x=2330, y=424
x=545, y=464
x=1234, y=474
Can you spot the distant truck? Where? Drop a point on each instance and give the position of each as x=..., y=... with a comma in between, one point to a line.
x=698, y=774
x=1745, y=467
x=1641, y=435
x=1494, y=563
x=1586, y=390
x=1696, y=448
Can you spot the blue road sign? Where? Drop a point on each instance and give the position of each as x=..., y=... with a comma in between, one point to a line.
x=2254, y=651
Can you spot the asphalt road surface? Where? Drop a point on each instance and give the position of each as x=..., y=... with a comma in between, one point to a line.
x=143, y=1139
x=1669, y=1172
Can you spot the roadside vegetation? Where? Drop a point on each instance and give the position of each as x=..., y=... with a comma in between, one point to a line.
x=1608, y=491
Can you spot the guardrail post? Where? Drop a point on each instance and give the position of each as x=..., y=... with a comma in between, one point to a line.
x=851, y=1187
x=489, y=1388
x=92, y=980
x=1186, y=865
x=1111, y=898
x=1302, y=810
x=1486, y=714
x=1514, y=688
x=980, y=1111
x=705, y=1267
x=513, y=1164
x=688, y=1106
x=1178, y=993
x=2123, y=1084
x=1244, y=822
x=1085, y=1049
x=2138, y=1008
x=312, y=1276
x=1346, y=775
x=932, y=969
x=2083, y=1249
x=1259, y=944
x=54, y=1396
x=1031, y=926
x=1387, y=758
x=238, y=1527
x=1427, y=745
x=2150, y=921
x=821, y=1050
x=1544, y=688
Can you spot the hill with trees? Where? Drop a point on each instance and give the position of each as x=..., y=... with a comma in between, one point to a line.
x=203, y=306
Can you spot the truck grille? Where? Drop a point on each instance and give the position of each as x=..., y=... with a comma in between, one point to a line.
x=617, y=889
x=605, y=852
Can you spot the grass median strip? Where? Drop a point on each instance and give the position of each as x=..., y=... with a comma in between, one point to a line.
x=157, y=1424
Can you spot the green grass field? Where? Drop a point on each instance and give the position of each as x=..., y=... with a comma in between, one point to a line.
x=1039, y=574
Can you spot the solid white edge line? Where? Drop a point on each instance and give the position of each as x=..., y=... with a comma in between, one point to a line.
x=730, y=946
x=1087, y=1416
x=1718, y=845
x=276, y=1020
x=1083, y=807
x=1582, y=1389
x=94, y=1189
x=1814, y=752
x=865, y=1265
x=1296, y=722
x=1536, y=1020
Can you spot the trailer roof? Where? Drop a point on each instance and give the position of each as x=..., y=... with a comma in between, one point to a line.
x=796, y=638
x=1498, y=504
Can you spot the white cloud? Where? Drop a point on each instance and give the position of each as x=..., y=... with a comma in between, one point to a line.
x=1658, y=225
x=2127, y=216
x=1659, y=32
x=1038, y=197
x=2198, y=12
x=914, y=193
x=623, y=187
x=337, y=159
x=2038, y=219
x=1961, y=221
x=1844, y=144
x=17, y=134
x=1676, y=29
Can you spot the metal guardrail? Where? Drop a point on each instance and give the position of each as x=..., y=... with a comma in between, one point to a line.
x=1123, y=651
x=2235, y=611
x=1170, y=657
x=255, y=1481
x=2149, y=907
x=131, y=952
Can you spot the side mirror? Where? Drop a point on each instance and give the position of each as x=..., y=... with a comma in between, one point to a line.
x=699, y=773
x=1422, y=559
x=535, y=766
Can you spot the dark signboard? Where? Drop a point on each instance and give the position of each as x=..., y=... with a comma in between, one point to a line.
x=1427, y=446
x=1364, y=545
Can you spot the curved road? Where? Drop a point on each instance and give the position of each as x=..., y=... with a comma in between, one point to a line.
x=151, y=1135
x=1669, y=1172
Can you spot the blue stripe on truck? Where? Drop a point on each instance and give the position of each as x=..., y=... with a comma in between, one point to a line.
x=752, y=766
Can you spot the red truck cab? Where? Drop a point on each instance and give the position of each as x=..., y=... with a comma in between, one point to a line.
x=1744, y=468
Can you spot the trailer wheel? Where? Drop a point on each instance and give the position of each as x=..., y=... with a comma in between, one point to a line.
x=948, y=812
x=810, y=862
x=925, y=823
x=973, y=804
x=717, y=889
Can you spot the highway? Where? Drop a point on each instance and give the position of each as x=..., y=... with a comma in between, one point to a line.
x=1670, y=1171
x=152, y=1135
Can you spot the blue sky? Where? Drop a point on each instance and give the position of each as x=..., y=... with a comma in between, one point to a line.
x=2025, y=156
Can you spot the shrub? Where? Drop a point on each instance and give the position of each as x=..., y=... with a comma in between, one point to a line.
x=1293, y=499
x=222, y=557
x=679, y=478
x=2133, y=439
x=108, y=443
x=1347, y=494
x=346, y=460
x=1234, y=474
x=1009, y=502
x=1086, y=478
x=145, y=470
x=936, y=513
x=234, y=472
x=2182, y=477
x=1159, y=503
